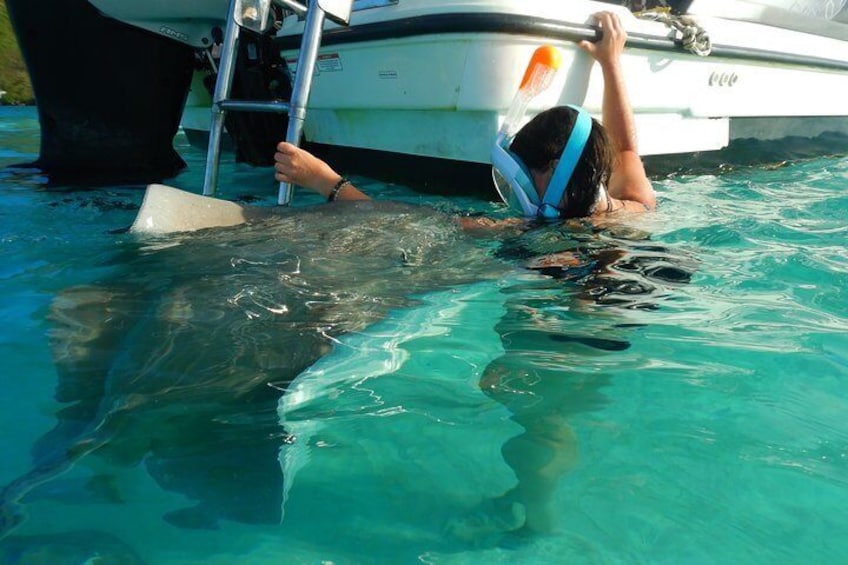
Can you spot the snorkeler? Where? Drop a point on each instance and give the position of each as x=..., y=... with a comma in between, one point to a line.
x=561, y=164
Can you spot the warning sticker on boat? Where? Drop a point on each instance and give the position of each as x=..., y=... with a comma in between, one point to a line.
x=329, y=63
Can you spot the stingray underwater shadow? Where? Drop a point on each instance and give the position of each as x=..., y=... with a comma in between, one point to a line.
x=177, y=363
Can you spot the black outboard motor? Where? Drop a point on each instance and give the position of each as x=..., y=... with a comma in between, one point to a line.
x=110, y=96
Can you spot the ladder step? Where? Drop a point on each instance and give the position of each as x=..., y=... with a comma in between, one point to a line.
x=271, y=106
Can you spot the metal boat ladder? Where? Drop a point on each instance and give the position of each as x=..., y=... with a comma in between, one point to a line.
x=253, y=14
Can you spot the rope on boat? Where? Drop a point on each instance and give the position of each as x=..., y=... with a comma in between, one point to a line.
x=691, y=36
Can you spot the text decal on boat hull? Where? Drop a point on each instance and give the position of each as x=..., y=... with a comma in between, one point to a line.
x=723, y=78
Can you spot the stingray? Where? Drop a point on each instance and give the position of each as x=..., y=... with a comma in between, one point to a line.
x=177, y=362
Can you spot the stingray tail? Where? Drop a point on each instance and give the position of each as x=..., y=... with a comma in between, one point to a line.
x=12, y=512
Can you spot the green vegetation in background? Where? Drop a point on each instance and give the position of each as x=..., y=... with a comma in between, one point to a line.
x=14, y=78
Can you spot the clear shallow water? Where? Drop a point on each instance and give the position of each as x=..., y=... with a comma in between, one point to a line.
x=690, y=374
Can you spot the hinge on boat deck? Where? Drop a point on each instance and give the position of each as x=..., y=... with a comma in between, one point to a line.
x=253, y=14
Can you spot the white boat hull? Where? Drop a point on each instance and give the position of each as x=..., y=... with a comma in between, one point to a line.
x=444, y=94
x=408, y=104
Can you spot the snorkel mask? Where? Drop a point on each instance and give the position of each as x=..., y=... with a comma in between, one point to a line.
x=511, y=176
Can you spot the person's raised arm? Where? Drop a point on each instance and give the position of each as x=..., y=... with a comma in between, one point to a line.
x=628, y=180
x=297, y=166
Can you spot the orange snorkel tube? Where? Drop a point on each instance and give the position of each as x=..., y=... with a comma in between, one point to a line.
x=540, y=72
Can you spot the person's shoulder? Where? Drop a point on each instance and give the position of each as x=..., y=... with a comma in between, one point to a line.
x=634, y=206
x=619, y=205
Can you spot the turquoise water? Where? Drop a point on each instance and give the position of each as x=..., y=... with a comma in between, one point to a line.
x=336, y=385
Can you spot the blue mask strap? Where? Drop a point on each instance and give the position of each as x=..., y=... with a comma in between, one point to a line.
x=567, y=162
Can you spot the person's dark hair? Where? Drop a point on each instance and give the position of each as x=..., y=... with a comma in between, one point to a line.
x=541, y=141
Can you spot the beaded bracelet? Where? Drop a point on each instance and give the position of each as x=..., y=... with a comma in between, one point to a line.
x=338, y=186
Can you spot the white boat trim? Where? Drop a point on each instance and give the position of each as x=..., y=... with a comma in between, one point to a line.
x=805, y=49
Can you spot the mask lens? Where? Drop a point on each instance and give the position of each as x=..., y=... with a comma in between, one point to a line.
x=512, y=183
x=506, y=192
x=513, y=195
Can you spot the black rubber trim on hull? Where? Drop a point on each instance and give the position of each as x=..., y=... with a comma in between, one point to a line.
x=512, y=24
